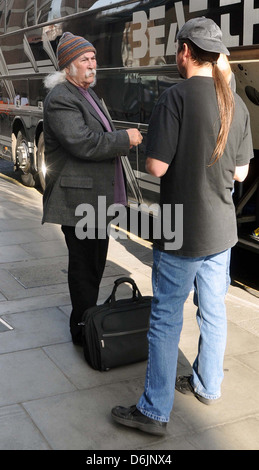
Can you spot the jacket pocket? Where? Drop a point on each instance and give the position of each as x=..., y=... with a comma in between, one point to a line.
x=76, y=182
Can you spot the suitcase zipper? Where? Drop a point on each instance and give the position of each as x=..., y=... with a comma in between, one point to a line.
x=121, y=333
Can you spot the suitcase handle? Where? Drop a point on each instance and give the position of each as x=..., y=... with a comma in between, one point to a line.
x=136, y=292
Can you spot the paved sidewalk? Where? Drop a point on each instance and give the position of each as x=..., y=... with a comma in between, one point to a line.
x=51, y=399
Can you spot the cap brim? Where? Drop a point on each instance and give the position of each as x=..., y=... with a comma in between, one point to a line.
x=211, y=46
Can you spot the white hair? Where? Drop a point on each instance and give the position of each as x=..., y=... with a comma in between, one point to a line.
x=54, y=79
x=58, y=77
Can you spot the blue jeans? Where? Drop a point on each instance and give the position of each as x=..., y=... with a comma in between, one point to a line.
x=172, y=279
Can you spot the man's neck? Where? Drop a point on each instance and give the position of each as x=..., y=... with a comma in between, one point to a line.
x=204, y=71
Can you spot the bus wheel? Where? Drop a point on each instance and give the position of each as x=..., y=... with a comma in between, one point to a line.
x=41, y=167
x=23, y=159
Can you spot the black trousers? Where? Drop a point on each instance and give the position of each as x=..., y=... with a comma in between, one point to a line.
x=86, y=265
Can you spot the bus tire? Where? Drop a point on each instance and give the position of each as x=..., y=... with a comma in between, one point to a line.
x=41, y=169
x=22, y=148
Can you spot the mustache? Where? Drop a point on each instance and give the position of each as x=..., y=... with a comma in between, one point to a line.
x=90, y=72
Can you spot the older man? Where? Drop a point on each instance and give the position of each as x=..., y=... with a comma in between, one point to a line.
x=82, y=152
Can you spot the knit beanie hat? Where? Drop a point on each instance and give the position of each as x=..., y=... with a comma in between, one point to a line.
x=70, y=47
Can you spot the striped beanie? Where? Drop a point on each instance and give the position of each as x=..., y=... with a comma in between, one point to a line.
x=70, y=47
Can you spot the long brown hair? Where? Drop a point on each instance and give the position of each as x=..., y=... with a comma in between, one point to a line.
x=224, y=94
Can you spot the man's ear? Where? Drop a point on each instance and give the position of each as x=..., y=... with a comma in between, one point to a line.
x=186, y=51
x=67, y=70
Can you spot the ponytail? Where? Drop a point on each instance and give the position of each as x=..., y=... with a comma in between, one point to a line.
x=226, y=106
x=224, y=94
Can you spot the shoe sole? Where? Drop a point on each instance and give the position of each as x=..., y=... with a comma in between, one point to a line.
x=206, y=401
x=203, y=400
x=141, y=426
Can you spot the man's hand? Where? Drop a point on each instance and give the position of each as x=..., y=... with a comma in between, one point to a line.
x=135, y=137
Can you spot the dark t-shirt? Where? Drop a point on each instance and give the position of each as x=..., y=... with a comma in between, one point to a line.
x=182, y=132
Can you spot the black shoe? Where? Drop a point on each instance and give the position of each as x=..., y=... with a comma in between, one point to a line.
x=183, y=385
x=133, y=418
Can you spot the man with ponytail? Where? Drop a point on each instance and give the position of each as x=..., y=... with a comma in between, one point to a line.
x=199, y=142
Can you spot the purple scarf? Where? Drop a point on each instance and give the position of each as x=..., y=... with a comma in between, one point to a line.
x=119, y=184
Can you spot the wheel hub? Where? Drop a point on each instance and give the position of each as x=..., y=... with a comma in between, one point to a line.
x=22, y=155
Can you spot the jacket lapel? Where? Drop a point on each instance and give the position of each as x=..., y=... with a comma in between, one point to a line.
x=90, y=108
x=102, y=107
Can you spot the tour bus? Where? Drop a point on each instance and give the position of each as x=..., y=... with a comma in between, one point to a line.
x=136, y=45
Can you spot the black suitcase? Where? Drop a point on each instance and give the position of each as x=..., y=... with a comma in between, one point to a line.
x=115, y=333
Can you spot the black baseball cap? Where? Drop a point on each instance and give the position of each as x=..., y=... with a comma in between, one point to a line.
x=205, y=33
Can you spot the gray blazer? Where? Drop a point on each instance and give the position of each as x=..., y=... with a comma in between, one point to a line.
x=79, y=154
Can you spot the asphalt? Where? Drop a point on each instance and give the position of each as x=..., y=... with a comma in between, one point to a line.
x=51, y=399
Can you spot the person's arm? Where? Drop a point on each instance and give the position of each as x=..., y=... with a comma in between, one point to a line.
x=156, y=167
x=81, y=136
x=241, y=173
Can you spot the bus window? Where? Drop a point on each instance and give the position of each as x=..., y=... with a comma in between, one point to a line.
x=121, y=93
x=2, y=16
x=36, y=45
x=4, y=95
x=85, y=4
x=149, y=95
x=21, y=92
x=51, y=10
x=151, y=88
x=29, y=18
x=68, y=7
x=37, y=91
x=41, y=45
x=45, y=11
x=17, y=15
x=166, y=81
x=14, y=55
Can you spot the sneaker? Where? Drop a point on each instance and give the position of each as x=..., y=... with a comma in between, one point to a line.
x=133, y=418
x=183, y=385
